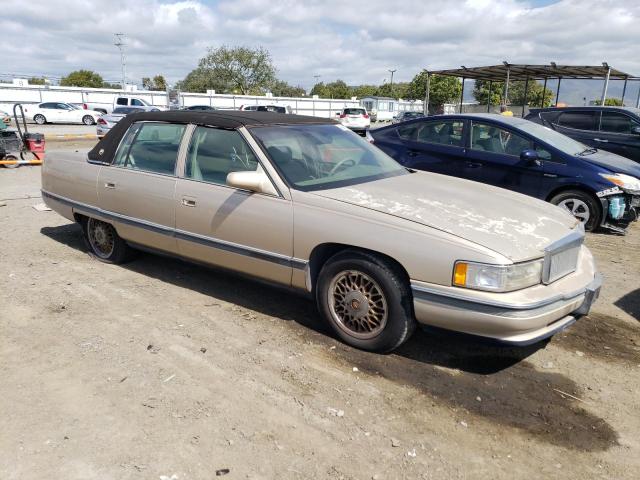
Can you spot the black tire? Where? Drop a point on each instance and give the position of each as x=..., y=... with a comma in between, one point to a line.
x=10, y=165
x=582, y=204
x=345, y=311
x=104, y=243
x=88, y=120
x=40, y=119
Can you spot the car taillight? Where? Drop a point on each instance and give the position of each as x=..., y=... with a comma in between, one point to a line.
x=365, y=116
x=85, y=106
x=102, y=121
x=342, y=115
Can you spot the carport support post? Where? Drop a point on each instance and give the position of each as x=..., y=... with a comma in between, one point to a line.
x=489, y=98
x=544, y=90
x=462, y=94
x=638, y=100
x=506, y=88
x=558, y=90
x=425, y=110
x=624, y=90
x=526, y=88
x=603, y=99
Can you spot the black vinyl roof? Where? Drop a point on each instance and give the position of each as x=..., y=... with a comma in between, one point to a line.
x=105, y=148
x=498, y=73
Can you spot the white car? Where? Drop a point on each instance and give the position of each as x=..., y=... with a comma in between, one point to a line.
x=58, y=112
x=355, y=118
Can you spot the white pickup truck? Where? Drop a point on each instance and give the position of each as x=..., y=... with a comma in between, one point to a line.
x=123, y=101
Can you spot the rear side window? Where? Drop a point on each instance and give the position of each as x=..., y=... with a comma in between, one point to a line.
x=614, y=122
x=150, y=147
x=443, y=133
x=214, y=153
x=577, y=120
x=121, y=101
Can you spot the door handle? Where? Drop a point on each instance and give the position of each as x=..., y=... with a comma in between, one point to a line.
x=601, y=140
x=473, y=165
x=188, y=202
x=109, y=185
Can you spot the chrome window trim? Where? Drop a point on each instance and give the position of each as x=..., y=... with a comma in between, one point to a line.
x=240, y=249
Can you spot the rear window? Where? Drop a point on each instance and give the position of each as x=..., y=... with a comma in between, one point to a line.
x=126, y=110
x=355, y=111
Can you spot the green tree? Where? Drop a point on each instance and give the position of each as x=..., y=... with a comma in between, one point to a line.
x=361, y=91
x=37, y=81
x=337, y=89
x=442, y=89
x=82, y=78
x=156, y=83
x=200, y=80
x=397, y=90
x=280, y=88
x=516, y=93
x=243, y=69
x=610, y=102
x=115, y=86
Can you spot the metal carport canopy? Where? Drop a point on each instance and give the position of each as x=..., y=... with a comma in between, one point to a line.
x=518, y=72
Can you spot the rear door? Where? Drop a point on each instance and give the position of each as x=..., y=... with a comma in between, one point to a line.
x=226, y=226
x=494, y=158
x=432, y=145
x=581, y=125
x=138, y=189
x=617, y=134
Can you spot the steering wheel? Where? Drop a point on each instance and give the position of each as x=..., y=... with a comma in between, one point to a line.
x=341, y=163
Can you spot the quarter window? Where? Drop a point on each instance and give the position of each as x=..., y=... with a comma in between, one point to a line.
x=447, y=132
x=617, y=123
x=577, y=120
x=150, y=147
x=214, y=153
x=490, y=138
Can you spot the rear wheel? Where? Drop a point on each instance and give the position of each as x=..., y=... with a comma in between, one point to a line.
x=88, y=120
x=40, y=119
x=581, y=205
x=366, y=301
x=10, y=165
x=105, y=243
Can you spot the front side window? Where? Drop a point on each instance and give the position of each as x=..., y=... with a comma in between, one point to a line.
x=614, y=122
x=150, y=147
x=577, y=120
x=448, y=132
x=214, y=153
x=317, y=157
x=490, y=138
x=137, y=103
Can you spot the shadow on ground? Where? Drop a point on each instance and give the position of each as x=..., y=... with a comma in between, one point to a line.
x=630, y=303
x=452, y=370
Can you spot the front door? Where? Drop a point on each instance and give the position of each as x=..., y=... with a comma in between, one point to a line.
x=494, y=158
x=618, y=135
x=226, y=226
x=138, y=189
x=581, y=125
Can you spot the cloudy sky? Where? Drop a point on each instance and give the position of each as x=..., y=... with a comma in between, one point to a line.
x=357, y=41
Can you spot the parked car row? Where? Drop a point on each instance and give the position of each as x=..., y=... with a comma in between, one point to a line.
x=304, y=203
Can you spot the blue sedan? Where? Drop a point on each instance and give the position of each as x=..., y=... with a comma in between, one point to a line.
x=599, y=188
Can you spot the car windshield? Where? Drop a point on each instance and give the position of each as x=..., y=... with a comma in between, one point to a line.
x=553, y=138
x=318, y=157
x=72, y=106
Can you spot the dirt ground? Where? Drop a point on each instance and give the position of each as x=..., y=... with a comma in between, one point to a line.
x=160, y=369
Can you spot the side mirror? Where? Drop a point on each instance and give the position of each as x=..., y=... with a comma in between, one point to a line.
x=529, y=156
x=254, y=181
x=635, y=130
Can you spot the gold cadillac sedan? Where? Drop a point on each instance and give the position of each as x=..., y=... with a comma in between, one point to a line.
x=305, y=203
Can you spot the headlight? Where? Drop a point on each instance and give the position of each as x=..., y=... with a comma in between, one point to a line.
x=497, y=278
x=626, y=182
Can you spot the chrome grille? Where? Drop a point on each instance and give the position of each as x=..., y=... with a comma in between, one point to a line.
x=561, y=257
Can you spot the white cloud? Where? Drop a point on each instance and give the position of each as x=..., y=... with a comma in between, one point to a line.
x=356, y=40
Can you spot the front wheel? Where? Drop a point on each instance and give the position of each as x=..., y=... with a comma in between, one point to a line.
x=366, y=301
x=88, y=120
x=11, y=165
x=105, y=243
x=581, y=205
x=40, y=119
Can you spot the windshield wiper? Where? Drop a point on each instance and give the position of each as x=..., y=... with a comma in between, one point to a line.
x=588, y=151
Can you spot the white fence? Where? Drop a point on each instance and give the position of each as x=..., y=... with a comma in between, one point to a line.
x=318, y=107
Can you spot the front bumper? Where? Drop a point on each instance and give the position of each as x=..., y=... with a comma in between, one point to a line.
x=631, y=212
x=516, y=324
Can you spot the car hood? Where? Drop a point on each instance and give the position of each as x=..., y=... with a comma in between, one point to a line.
x=514, y=225
x=613, y=162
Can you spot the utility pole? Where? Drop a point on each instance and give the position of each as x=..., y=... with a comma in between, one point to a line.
x=391, y=84
x=119, y=42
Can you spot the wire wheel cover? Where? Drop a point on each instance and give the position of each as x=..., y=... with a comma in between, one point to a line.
x=357, y=304
x=101, y=238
